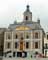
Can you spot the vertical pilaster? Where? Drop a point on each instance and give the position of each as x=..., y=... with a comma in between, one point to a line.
x=12, y=46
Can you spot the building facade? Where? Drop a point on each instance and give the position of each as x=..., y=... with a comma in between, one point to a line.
x=2, y=30
x=46, y=44
x=24, y=39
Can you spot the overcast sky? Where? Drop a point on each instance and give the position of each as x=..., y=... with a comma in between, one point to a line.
x=11, y=10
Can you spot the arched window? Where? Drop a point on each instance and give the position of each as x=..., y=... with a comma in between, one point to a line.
x=26, y=17
x=36, y=35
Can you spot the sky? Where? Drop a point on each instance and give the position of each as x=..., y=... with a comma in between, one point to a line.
x=12, y=10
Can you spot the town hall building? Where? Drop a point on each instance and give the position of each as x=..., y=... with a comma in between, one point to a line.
x=24, y=39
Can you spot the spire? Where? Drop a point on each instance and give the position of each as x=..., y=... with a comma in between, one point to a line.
x=27, y=7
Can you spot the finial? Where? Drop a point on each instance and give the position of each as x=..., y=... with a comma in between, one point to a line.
x=27, y=7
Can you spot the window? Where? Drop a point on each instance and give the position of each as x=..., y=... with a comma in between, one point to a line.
x=36, y=53
x=47, y=36
x=27, y=36
x=46, y=45
x=36, y=45
x=13, y=54
x=26, y=17
x=16, y=44
x=21, y=38
x=8, y=45
x=16, y=36
x=27, y=45
x=36, y=35
x=9, y=36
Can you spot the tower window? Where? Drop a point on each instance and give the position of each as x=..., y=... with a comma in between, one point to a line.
x=26, y=17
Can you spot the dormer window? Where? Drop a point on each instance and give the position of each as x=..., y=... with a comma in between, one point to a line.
x=26, y=17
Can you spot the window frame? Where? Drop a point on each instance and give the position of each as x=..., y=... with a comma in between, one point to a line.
x=16, y=36
x=16, y=45
x=36, y=45
x=9, y=37
x=26, y=18
x=27, y=45
x=36, y=35
x=8, y=45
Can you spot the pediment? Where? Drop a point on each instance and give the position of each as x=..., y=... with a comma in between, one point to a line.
x=23, y=28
